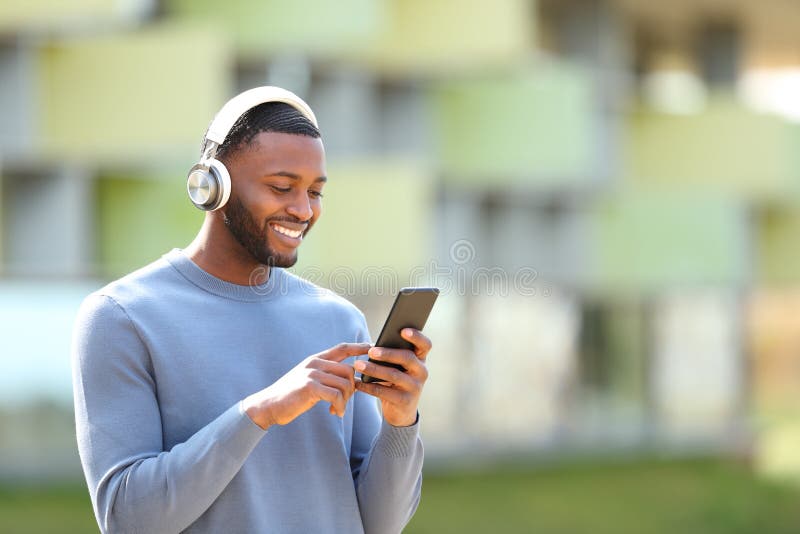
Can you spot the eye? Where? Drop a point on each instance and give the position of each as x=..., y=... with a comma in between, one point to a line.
x=280, y=189
x=315, y=194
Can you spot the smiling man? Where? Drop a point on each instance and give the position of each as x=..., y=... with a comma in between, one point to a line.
x=215, y=391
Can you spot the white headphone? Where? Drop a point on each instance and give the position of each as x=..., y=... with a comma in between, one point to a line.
x=209, y=183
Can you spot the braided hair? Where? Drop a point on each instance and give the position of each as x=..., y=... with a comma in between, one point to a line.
x=276, y=117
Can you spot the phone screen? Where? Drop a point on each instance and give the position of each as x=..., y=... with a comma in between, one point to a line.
x=411, y=309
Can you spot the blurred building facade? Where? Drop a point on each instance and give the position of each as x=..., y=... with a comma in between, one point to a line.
x=607, y=191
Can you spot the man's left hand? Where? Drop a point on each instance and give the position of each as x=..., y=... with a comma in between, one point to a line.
x=400, y=391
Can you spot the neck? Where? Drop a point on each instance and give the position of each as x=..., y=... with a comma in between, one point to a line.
x=218, y=253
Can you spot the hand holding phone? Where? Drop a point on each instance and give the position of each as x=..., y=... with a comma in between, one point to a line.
x=411, y=309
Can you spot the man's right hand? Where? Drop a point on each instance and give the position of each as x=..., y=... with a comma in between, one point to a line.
x=320, y=377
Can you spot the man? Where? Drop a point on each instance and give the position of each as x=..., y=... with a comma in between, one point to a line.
x=215, y=391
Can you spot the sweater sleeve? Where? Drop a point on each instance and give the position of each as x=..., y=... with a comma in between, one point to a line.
x=387, y=466
x=134, y=484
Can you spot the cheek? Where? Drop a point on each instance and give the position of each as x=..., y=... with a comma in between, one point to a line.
x=317, y=209
x=264, y=203
x=253, y=197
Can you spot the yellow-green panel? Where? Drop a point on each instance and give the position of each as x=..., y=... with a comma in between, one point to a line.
x=626, y=346
x=727, y=148
x=23, y=15
x=650, y=241
x=129, y=96
x=535, y=128
x=2, y=226
x=777, y=232
x=138, y=219
x=435, y=37
x=299, y=26
x=375, y=215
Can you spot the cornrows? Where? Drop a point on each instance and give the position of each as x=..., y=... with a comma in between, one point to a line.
x=267, y=117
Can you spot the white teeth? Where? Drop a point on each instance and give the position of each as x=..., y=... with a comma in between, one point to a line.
x=285, y=231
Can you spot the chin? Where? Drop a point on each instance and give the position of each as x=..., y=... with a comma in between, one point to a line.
x=284, y=262
x=276, y=260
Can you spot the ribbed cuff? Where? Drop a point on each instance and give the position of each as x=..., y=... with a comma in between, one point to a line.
x=244, y=416
x=398, y=441
x=243, y=434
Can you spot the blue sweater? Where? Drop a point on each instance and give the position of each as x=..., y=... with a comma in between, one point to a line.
x=161, y=361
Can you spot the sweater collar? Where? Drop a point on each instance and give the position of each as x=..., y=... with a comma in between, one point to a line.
x=251, y=293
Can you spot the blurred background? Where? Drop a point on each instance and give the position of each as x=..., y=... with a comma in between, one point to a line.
x=607, y=192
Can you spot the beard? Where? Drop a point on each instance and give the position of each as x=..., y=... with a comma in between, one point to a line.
x=242, y=225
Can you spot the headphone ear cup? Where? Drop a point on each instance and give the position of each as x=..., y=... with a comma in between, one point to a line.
x=223, y=182
x=209, y=185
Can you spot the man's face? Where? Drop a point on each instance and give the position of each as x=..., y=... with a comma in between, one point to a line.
x=276, y=195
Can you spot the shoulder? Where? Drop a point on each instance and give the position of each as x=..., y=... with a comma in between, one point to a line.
x=144, y=284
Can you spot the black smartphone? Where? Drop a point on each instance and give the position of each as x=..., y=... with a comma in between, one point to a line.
x=410, y=310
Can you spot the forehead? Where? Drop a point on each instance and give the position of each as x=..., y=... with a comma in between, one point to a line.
x=273, y=152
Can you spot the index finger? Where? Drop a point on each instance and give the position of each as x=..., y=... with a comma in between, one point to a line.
x=342, y=351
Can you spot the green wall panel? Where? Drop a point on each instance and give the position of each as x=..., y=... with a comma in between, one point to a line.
x=299, y=26
x=434, y=38
x=140, y=219
x=627, y=350
x=134, y=95
x=3, y=227
x=613, y=355
x=374, y=215
x=725, y=149
x=23, y=15
x=777, y=232
x=535, y=128
x=389, y=35
x=651, y=241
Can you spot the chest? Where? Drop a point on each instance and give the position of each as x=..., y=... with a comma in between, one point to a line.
x=207, y=357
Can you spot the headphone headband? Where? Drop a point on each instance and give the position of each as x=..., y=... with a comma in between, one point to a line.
x=241, y=103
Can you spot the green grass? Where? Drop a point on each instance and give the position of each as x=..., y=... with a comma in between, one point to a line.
x=46, y=509
x=641, y=497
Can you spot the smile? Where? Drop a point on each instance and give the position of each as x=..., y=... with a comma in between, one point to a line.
x=294, y=234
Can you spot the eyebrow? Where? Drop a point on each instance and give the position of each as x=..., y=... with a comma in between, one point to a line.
x=294, y=176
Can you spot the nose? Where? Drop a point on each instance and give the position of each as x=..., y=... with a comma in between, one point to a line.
x=300, y=207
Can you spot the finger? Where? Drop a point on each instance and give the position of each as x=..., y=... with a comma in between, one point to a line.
x=385, y=393
x=342, y=351
x=331, y=395
x=346, y=387
x=422, y=343
x=389, y=374
x=336, y=368
x=405, y=358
